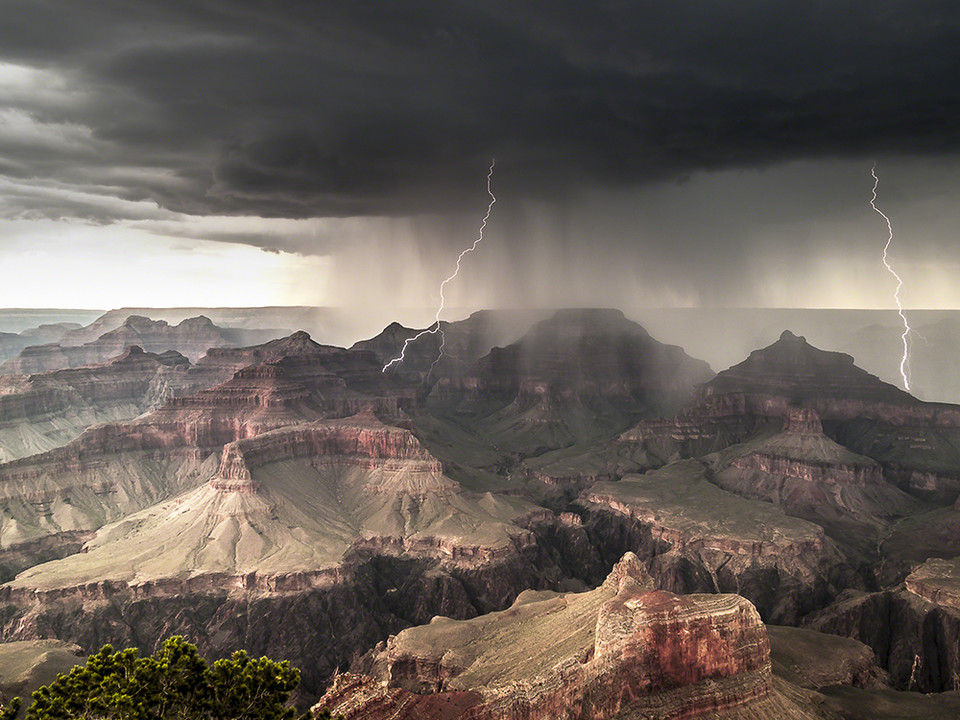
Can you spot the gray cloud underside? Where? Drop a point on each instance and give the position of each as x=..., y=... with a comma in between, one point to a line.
x=303, y=109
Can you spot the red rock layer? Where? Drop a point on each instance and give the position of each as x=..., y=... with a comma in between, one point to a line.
x=259, y=398
x=371, y=442
x=653, y=652
x=135, y=376
x=829, y=474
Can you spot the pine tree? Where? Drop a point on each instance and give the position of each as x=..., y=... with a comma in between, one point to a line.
x=175, y=683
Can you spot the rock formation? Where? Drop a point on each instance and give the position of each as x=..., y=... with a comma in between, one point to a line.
x=42, y=411
x=191, y=338
x=118, y=468
x=914, y=442
x=811, y=476
x=12, y=343
x=464, y=342
x=621, y=650
x=294, y=501
x=310, y=516
x=698, y=537
x=814, y=660
x=581, y=375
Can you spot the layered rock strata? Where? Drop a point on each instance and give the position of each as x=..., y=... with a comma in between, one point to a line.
x=914, y=442
x=296, y=500
x=811, y=476
x=191, y=338
x=622, y=649
x=349, y=525
x=42, y=411
x=13, y=343
x=698, y=537
x=118, y=468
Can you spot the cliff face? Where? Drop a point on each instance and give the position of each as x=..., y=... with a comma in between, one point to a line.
x=191, y=338
x=299, y=500
x=117, y=468
x=45, y=410
x=914, y=631
x=364, y=439
x=914, y=442
x=308, y=543
x=623, y=648
x=811, y=476
x=283, y=389
x=938, y=582
x=696, y=537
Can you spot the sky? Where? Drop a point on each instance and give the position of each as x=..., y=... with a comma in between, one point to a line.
x=678, y=153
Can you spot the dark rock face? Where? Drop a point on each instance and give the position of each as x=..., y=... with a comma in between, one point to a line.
x=464, y=342
x=916, y=641
x=318, y=627
x=590, y=354
x=793, y=369
x=785, y=567
x=422, y=359
x=579, y=375
x=815, y=660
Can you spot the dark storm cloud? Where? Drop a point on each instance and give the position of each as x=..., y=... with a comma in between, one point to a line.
x=301, y=109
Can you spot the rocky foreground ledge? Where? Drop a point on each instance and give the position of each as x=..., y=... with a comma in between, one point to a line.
x=622, y=648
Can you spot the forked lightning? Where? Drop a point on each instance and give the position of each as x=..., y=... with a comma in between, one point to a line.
x=435, y=328
x=905, y=361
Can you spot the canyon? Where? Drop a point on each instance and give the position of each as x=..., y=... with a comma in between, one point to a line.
x=300, y=500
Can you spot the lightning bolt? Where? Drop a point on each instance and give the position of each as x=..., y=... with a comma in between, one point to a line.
x=435, y=328
x=905, y=361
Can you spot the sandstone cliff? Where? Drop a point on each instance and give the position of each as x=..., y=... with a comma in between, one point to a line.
x=45, y=410
x=621, y=650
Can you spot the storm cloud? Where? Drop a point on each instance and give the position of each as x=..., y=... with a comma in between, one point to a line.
x=313, y=109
